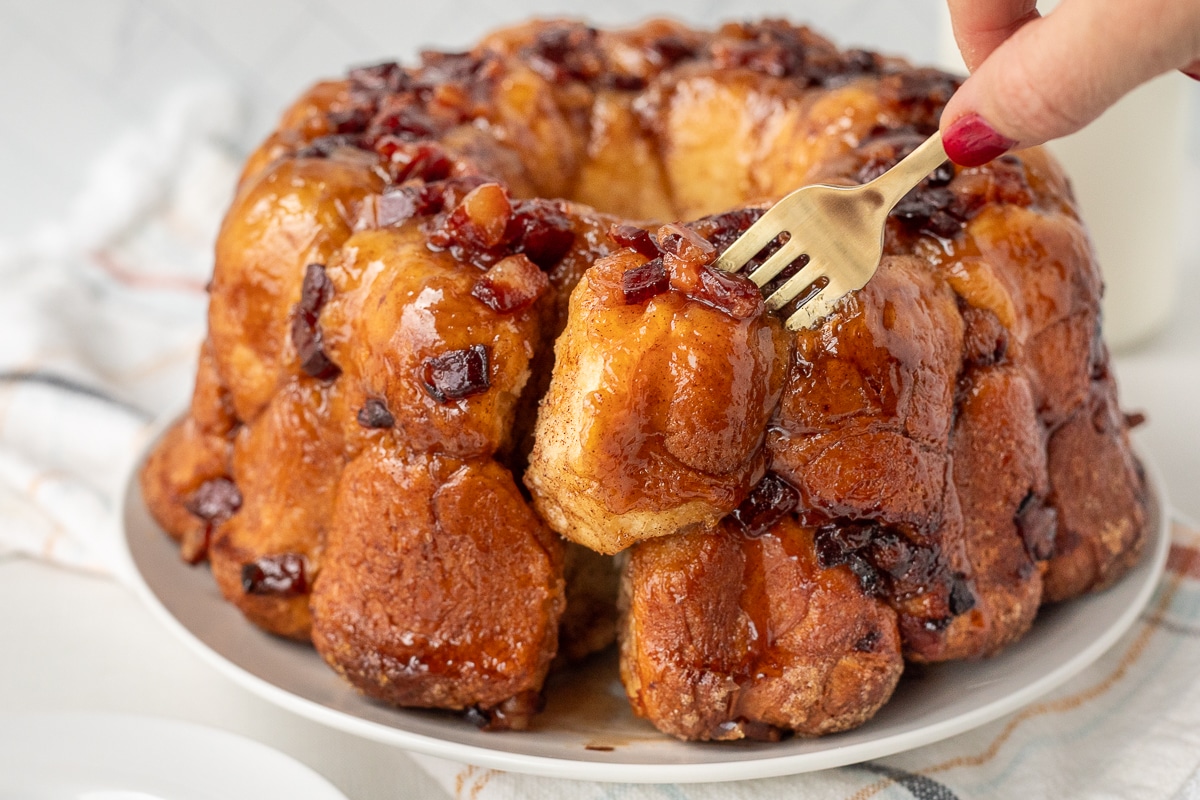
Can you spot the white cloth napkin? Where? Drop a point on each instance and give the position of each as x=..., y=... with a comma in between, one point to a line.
x=101, y=314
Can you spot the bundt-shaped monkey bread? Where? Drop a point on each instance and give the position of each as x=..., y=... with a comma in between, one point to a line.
x=452, y=367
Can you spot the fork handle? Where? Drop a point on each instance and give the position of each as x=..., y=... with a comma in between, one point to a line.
x=911, y=170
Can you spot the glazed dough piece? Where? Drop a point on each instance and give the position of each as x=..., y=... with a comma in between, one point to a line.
x=589, y=623
x=440, y=587
x=1008, y=531
x=1042, y=255
x=185, y=481
x=766, y=640
x=398, y=310
x=286, y=464
x=655, y=417
x=1099, y=492
x=862, y=433
x=298, y=212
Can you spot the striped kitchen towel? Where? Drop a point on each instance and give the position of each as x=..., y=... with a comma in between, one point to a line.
x=101, y=316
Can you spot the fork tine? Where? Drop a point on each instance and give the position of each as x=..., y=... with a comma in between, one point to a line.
x=821, y=304
x=764, y=231
x=795, y=285
x=816, y=309
x=777, y=263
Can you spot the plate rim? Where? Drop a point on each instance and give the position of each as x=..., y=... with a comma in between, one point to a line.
x=745, y=768
x=134, y=730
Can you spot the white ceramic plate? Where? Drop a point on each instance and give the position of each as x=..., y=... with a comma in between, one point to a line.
x=587, y=731
x=94, y=756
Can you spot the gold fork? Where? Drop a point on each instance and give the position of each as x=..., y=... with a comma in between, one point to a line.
x=835, y=231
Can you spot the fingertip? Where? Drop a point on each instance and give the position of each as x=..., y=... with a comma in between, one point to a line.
x=1058, y=73
x=970, y=141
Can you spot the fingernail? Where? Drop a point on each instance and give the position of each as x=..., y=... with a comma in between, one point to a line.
x=971, y=142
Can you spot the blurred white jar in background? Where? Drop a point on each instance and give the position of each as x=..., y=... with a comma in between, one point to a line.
x=1127, y=170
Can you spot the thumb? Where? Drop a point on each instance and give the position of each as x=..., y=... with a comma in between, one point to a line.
x=1058, y=73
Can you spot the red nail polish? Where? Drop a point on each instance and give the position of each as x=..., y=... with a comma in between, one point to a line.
x=971, y=142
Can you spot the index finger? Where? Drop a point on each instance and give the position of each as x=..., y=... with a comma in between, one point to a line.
x=980, y=26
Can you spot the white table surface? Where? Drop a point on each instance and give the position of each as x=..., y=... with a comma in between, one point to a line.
x=78, y=643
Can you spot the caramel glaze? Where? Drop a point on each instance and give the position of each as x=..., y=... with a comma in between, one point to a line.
x=729, y=637
x=390, y=305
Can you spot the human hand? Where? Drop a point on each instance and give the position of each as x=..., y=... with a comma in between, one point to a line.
x=1036, y=78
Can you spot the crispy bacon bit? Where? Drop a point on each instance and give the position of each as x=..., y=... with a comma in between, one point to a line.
x=636, y=238
x=512, y=284
x=350, y=120
x=722, y=230
x=670, y=49
x=688, y=256
x=962, y=599
x=388, y=77
x=375, y=414
x=316, y=289
x=215, y=500
x=641, y=283
x=315, y=292
x=886, y=562
x=408, y=160
x=868, y=577
x=541, y=231
x=326, y=146
x=438, y=68
x=310, y=348
x=481, y=219
x=283, y=575
x=768, y=502
x=836, y=541
x=685, y=244
x=942, y=175
x=772, y=48
x=910, y=568
x=1037, y=523
x=405, y=118
x=457, y=374
x=415, y=200
x=566, y=52
x=733, y=294
x=932, y=210
x=780, y=50
x=867, y=642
